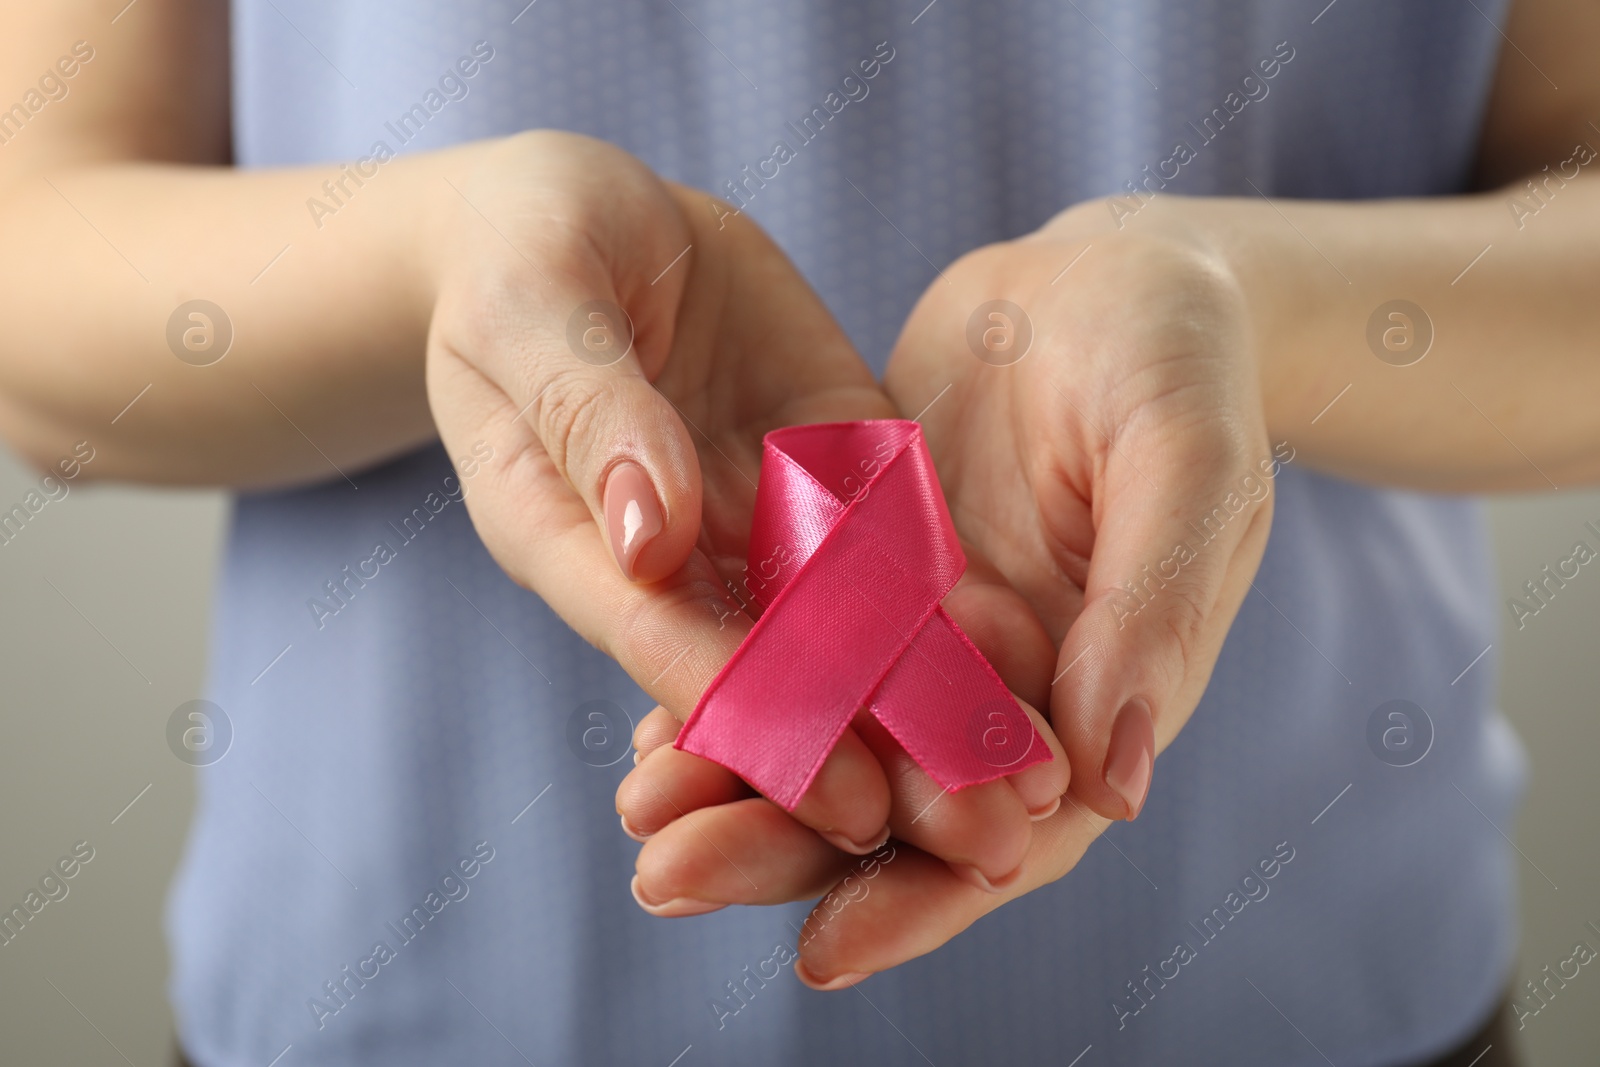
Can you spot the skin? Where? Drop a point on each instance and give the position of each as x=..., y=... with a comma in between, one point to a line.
x=1122, y=421
x=1189, y=341
x=440, y=295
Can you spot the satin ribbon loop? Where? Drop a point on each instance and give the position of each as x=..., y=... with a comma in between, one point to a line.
x=851, y=551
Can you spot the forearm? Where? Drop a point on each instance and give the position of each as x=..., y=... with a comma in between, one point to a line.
x=329, y=316
x=1503, y=399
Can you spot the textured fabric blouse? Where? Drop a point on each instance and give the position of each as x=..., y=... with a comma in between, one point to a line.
x=402, y=858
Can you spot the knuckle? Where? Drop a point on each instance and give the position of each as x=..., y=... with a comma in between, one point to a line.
x=655, y=632
x=672, y=864
x=1180, y=396
x=1183, y=620
x=571, y=411
x=981, y=267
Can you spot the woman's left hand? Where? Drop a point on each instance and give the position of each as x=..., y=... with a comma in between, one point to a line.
x=1100, y=437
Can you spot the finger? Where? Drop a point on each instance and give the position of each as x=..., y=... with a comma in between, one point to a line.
x=658, y=728
x=614, y=441
x=670, y=785
x=567, y=324
x=1176, y=546
x=747, y=852
x=847, y=804
x=671, y=636
x=1041, y=786
x=1005, y=629
x=913, y=904
x=982, y=831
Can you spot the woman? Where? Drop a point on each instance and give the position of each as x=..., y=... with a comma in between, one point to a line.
x=441, y=360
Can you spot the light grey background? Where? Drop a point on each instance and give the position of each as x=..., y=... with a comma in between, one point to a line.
x=103, y=608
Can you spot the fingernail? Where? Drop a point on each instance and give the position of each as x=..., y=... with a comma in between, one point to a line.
x=1131, y=755
x=677, y=908
x=976, y=878
x=633, y=515
x=844, y=844
x=638, y=835
x=1046, y=811
x=844, y=981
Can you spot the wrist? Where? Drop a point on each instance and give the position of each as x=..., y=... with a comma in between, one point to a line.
x=1212, y=256
x=440, y=199
x=1284, y=283
x=1288, y=291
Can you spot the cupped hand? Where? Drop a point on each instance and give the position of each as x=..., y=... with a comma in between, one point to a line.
x=624, y=356
x=714, y=844
x=1100, y=437
x=1103, y=441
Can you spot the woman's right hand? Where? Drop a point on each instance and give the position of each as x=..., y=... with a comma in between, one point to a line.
x=624, y=345
x=586, y=315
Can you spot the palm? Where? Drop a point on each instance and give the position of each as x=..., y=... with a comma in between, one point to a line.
x=1132, y=385
x=753, y=351
x=1012, y=477
x=711, y=319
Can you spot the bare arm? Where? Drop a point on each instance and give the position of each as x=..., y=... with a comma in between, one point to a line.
x=1505, y=399
x=409, y=310
x=117, y=205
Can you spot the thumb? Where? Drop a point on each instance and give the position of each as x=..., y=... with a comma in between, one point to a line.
x=550, y=291
x=620, y=445
x=1174, y=554
x=574, y=349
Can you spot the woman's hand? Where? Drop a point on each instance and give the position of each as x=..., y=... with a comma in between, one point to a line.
x=1102, y=440
x=710, y=842
x=1078, y=436
x=624, y=356
x=1116, y=468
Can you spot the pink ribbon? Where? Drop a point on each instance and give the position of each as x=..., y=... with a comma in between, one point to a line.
x=851, y=551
